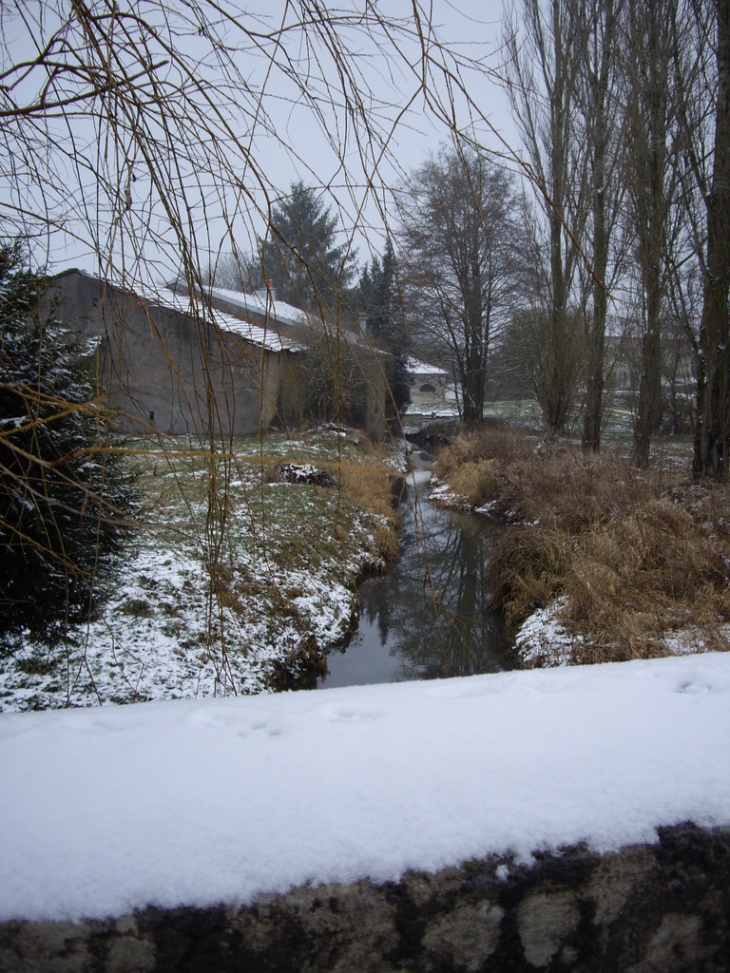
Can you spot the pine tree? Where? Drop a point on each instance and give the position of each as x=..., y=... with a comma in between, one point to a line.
x=381, y=302
x=300, y=255
x=63, y=497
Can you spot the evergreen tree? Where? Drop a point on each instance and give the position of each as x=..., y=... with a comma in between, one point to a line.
x=300, y=255
x=384, y=318
x=62, y=496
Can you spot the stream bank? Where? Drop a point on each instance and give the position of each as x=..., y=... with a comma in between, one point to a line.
x=428, y=616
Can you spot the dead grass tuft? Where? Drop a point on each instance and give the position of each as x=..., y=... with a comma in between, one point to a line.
x=369, y=488
x=528, y=570
x=641, y=565
x=495, y=440
x=476, y=482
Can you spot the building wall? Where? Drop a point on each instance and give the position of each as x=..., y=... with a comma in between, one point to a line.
x=170, y=372
x=433, y=380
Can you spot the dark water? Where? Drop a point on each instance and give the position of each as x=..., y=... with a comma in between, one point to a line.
x=427, y=617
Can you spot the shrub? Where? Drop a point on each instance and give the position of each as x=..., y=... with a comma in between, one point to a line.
x=63, y=496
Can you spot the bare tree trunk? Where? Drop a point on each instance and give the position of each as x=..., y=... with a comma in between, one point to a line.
x=648, y=414
x=600, y=65
x=475, y=378
x=712, y=438
x=555, y=408
x=593, y=419
x=649, y=52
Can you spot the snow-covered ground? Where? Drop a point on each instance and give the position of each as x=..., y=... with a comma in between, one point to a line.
x=152, y=641
x=169, y=630
x=200, y=801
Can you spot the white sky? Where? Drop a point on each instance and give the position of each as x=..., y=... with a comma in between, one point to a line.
x=471, y=28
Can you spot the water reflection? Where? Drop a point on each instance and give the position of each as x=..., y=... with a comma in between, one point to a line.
x=428, y=617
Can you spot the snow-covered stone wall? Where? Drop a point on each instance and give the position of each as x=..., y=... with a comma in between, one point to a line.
x=532, y=820
x=656, y=908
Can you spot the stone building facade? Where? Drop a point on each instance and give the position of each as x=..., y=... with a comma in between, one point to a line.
x=173, y=363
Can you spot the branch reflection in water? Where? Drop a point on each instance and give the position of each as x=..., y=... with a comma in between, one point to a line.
x=428, y=617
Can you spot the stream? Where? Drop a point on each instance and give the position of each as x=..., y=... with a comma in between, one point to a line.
x=427, y=617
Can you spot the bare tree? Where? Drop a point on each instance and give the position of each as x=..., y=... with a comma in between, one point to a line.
x=652, y=183
x=458, y=237
x=543, y=43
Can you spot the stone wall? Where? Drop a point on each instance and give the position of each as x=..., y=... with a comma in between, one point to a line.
x=169, y=372
x=661, y=908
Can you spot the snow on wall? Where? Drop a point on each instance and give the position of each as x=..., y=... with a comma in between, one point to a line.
x=110, y=809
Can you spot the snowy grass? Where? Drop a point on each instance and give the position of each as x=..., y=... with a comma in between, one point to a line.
x=236, y=583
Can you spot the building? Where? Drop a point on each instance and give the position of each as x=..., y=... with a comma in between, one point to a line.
x=429, y=384
x=179, y=364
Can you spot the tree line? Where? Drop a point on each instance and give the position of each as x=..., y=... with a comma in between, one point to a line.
x=125, y=131
x=623, y=110
x=617, y=244
x=619, y=237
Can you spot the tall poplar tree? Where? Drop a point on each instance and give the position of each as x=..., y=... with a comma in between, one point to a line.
x=544, y=46
x=652, y=180
x=712, y=438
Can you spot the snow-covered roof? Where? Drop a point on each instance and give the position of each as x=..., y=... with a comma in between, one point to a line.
x=268, y=337
x=265, y=337
x=257, y=794
x=278, y=311
x=423, y=368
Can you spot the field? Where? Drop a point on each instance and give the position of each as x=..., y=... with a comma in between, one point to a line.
x=237, y=579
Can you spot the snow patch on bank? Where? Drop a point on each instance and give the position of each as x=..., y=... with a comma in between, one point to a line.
x=195, y=802
x=542, y=641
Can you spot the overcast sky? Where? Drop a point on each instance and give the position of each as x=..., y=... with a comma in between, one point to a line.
x=471, y=28
x=269, y=150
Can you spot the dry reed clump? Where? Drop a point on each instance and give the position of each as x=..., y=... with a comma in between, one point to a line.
x=476, y=482
x=561, y=486
x=640, y=570
x=528, y=570
x=478, y=464
x=386, y=542
x=531, y=481
x=369, y=488
x=649, y=584
x=494, y=440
